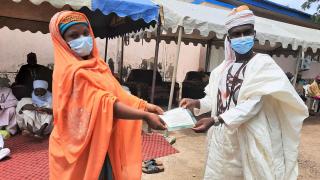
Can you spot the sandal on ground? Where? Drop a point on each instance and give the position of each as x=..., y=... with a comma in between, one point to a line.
x=152, y=162
x=151, y=169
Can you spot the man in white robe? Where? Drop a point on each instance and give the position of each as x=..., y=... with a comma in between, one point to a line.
x=7, y=114
x=8, y=103
x=34, y=115
x=257, y=116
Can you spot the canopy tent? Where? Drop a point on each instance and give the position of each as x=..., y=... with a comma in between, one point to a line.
x=200, y=24
x=109, y=18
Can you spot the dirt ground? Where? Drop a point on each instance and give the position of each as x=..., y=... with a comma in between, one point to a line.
x=189, y=163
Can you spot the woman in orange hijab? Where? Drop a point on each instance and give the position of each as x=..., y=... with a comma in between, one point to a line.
x=94, y=118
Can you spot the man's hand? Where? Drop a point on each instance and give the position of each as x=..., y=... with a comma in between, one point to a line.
x=203, y=125
x=154, y=109
x=155, y=122
x=44, y=110
x=189, y=103
x=29, y=107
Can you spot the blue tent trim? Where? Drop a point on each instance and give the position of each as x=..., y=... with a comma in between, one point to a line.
x=278, y=8
x=219, y=3
x=265, y=4
x=135, y=9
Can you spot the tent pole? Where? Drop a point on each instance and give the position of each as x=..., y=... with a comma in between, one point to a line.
x=208, y=54
x=174, y=77
x=155, y=65
x=121, y=60
x=299, y=59
x=105, y=50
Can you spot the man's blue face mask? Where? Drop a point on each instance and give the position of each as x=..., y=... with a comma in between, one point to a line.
x=242, y=45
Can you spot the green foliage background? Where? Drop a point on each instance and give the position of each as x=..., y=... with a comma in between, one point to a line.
x=316, y=16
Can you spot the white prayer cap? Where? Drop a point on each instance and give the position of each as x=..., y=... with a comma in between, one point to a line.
x=239, y=16
x=40, y=84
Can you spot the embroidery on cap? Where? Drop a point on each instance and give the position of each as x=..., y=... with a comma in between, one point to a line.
x=73, y=18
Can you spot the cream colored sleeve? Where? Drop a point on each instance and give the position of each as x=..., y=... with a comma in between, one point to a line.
x=242, y=112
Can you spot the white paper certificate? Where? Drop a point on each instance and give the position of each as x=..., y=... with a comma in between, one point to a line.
x=178, y=118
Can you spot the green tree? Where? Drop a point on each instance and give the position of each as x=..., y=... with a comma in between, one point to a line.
x=307, y=5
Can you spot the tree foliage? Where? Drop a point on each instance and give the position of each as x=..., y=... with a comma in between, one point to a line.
x=307, y=5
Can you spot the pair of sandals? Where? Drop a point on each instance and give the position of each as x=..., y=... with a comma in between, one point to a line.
x=152, y=166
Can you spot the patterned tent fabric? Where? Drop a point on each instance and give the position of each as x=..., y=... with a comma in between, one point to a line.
x=109, y=18
x=136, y=9
x=202, y=24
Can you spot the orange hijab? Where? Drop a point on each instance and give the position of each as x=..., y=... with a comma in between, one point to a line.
x=85, y=129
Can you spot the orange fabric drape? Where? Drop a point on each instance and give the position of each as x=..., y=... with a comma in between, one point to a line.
x=85, y=129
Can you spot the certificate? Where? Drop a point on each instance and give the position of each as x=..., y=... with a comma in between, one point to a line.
x=178, y=118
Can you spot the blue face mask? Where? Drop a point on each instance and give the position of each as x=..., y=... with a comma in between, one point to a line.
x=243, y=44
x=82, y=46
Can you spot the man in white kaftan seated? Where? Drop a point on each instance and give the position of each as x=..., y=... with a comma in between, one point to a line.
x=257, y=116
x=8, y=103
x=34, y=115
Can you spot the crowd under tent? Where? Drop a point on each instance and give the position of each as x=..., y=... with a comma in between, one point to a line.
x=109, y=19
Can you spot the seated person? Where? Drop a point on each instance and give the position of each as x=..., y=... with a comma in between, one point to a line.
x=8, y=103
x=314, y=88
x=34, y=115
x=27, y=74
x=314, y=92
x=4, y=152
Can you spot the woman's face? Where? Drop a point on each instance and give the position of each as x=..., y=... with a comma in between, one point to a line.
x=75, y=31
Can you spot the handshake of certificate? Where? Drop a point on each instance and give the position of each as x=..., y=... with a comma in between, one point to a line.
x=183, y=118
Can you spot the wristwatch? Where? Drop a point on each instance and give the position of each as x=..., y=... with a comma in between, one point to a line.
x=216, y=121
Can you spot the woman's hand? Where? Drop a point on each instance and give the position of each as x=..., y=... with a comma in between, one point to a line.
x=189, y=103
x=203, y=125
x=155, y=122
x=154, y=109
x=123, y=111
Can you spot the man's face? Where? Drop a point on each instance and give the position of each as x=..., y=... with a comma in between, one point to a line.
x=239, y=31
x=40, y=91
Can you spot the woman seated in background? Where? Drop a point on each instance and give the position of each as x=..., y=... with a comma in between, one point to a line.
x=34, y=115
x=8, y=103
